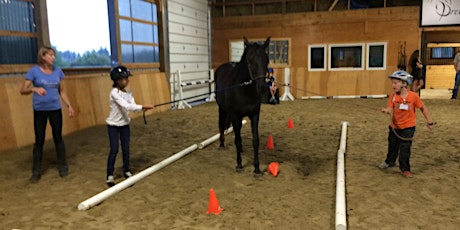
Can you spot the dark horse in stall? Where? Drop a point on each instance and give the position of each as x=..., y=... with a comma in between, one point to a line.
x=239, y=88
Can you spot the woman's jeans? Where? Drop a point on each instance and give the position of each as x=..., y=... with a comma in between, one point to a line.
x=40, y=120
x=115, y=133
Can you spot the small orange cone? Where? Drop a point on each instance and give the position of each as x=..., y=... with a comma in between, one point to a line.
x=213, y=205
x=270, y=144
x=273, y=168
x=290, y=124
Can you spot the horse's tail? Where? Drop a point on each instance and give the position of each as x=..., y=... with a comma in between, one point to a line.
x=224, y=119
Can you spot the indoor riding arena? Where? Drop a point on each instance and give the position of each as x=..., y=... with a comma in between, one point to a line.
x=321, y=139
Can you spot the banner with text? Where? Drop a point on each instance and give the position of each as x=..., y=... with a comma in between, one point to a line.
x=440, y=12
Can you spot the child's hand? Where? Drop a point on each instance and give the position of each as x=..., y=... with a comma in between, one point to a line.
x=385, y=110
x=147, y=107
x=430, y=126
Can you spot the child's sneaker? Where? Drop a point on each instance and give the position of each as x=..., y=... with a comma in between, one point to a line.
x=110, y=181
x=127, y=174
x=385, y=165
x=407, y=174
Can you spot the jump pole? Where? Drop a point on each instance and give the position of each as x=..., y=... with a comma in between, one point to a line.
x=340, y=200
x=216, y=137
x=98, y=198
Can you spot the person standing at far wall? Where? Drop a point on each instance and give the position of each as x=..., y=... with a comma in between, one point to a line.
x=457, y=75
x=417, y=70
x=45, y=81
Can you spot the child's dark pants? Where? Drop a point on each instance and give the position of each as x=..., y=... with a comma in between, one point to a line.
x=396, y=147
x=116, y=132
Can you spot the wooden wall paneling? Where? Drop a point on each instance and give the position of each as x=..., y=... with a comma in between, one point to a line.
x=70, y=125
x=89, y=96
x=440, y=77
x=370, y=25
x=84, y=101
x=315, y=84
x=162, y=93
x=7, y=135
x=21, y=112
x=100, y=90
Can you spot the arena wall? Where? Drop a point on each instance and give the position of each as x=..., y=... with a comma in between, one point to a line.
x=393, y=25
x=89, y=96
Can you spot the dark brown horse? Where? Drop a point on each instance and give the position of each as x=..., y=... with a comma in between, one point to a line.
x=239, y=87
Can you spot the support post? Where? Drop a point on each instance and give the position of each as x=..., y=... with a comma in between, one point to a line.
x=182, y=103
x=212, y=96
x=287, y=81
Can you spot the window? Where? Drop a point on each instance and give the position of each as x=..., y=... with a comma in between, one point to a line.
x=138, y=38
x=442, y=52
x=376, y=56
x=278, y=51
x=346, y=57
x=80, y=40
x=18, y=33
x=317, y=57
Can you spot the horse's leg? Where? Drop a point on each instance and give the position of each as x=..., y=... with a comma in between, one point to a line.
x=255, y=143
x=236, y=122
x=222, y=127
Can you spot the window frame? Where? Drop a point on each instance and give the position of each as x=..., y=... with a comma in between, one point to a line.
x=330, y=68
x=271, y=64
x=42, y=39
x=324, y=46
x=368, y=46
x=442, y=47
x=119, y=42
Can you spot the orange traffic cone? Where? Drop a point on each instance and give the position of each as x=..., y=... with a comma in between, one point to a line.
x=213, y=205
x=273, y=168
x=270, y=144
x=290, y=124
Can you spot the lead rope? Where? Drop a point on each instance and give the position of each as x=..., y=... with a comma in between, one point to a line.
x=215, y=91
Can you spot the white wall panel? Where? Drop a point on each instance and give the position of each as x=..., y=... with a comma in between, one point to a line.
x=189, y=45
x=177, y=48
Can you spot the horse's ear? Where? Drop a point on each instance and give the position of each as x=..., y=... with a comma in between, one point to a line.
x=246, y=42
x=267, y=42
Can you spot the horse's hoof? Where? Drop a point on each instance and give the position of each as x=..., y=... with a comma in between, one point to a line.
x=239, y=169
x=258, y=175
x=221, y=147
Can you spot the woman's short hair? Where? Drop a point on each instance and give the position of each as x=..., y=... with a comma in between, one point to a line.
x=42, y=52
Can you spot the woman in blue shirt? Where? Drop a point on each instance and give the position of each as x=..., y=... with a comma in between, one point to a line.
x=45, y=82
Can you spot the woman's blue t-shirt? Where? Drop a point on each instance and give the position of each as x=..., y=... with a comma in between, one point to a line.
x=50, y=82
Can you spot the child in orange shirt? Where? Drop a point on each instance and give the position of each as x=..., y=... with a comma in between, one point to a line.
x=402, y=104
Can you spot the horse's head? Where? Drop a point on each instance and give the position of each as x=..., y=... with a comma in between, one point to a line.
x=256, y=58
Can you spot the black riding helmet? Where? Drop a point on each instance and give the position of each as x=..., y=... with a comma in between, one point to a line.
x=119, y=72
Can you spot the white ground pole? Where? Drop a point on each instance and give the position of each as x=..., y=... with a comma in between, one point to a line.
x=182, y=104
x=340, y=200
x=216, y=137
x=98, y=198
x=287, y=82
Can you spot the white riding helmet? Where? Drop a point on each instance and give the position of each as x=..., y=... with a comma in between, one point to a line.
x=402, y=75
